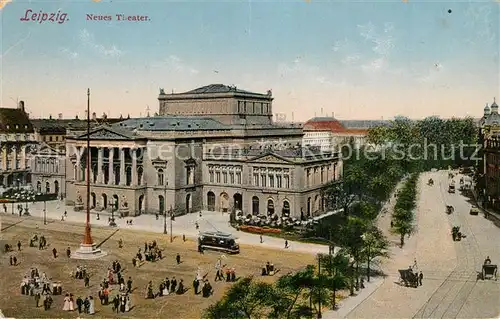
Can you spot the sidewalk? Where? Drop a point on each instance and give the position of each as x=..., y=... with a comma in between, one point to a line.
x=488, y=214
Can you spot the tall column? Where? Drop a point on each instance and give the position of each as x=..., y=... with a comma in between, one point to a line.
x=100, y=175
x=111, y=175
x=79, y=158
x=4, y=157
x=134, y=167
x=23, y=157
x=123, y=177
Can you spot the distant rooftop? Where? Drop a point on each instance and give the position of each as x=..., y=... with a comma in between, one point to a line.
x=171, y=123
x=216, y=88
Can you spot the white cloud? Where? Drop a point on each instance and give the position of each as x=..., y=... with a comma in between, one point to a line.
x=20, y=41
x=351, y=59
x=177, y=64
x=383, y=43
x=339, y=45
x=70, y=54
x=375, y=65
x=88, y=39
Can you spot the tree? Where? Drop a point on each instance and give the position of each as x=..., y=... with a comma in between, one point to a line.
x=290, y=287
x=336, y=268
x=376, y=246
x=245, y=299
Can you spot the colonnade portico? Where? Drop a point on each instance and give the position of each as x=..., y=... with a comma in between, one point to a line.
x=110, y=166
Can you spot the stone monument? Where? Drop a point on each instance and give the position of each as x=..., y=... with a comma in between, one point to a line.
x=124, y=209
x=79, y=202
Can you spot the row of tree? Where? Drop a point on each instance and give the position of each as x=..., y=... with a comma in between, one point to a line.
x=403, y=148
x=403, y=216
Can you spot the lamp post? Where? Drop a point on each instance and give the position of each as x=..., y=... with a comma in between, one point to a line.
x=171, y=219
x=45, y=205
x=164, y=207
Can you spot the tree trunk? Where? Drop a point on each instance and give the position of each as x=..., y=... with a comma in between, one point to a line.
x=334, y=298
x=402, y=240
x=357, y=276
x=351, y=280
x=368, y=270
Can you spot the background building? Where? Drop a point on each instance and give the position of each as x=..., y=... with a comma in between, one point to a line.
x=329, y=134
x=16, y=140
x=213, y=148
x=48, y=167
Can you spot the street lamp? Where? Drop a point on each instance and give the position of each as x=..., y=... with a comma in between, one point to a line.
x=171, y=219
x=164, y=207
x=112, y=204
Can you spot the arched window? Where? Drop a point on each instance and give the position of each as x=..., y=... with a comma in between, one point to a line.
x=38, y=187
x=286, y=208
x=47, y=187
x=161, y=177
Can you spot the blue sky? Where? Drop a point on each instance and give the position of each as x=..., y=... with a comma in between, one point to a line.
x=357, y=60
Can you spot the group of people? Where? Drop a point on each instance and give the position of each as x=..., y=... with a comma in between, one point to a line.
x=81, y=273
x=40, y=287
x=84, y=305
x=42, y=242
x=268, y=270
x=166, y=287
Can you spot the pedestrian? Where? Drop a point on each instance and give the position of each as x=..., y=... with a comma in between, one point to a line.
x=183, y=237
x=178, y=259
x=19, y=245
x=68, y=252
x=120, y=243
x=14, y=260
x=286, y=243
x=392, y=224
x=196, y=285
x=87, y=281
x=79, y=304
x=156, y=215
x=37, y=299
x=11, y=260
x=261, y=241
x=420, y=277
x=54, y=252
x=129, y=285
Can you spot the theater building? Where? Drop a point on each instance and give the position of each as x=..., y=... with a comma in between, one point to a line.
x=213, y=148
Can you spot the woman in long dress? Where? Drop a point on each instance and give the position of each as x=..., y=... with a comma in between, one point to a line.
x=91, y=306
x=128, y=303
x=71, y=302
x=66, y=305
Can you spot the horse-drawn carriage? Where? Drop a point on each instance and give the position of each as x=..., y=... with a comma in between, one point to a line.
x=408, y=278
x=489, y=272
x=456, y=234
x=430, y=182
x=449, y=209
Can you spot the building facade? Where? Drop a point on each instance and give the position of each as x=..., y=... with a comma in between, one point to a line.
x=329, y=134
x=210, y=156
x=16, y=141
x=48, y=175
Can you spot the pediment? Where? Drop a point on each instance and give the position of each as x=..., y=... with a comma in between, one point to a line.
x=46, y=149
x=105, y=133
x=269, y=158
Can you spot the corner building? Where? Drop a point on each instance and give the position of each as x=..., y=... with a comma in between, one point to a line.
x=213, y=148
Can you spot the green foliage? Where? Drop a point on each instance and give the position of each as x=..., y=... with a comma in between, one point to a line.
x=247, y=298
x=403, y=215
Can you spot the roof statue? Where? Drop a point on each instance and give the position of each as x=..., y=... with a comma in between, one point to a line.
x=162, y=91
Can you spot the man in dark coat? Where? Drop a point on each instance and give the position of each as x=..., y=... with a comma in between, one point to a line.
x=79, y=304
x=54, y=252
x=178, y=259
x=129, y=285
x=196, y=285
x=116, y=304
x=173, y=284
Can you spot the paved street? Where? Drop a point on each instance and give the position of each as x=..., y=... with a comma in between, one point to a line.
x=182, y=225
x=450, y=289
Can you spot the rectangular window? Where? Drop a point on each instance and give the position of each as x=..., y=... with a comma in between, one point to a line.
x=18, y=164
x=256, y=179
x=238, y=178
x=278, y=181
x=287, y=181
x=264, y=180
x=224, y=176
x=271, y=181
x=217, y=177
x=231, y=177
x=211, y=174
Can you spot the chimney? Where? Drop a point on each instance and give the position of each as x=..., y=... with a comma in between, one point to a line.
x=94, y=116
x=21, y=105
x=50, y=116
x=60, y=116
x=76, y=117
